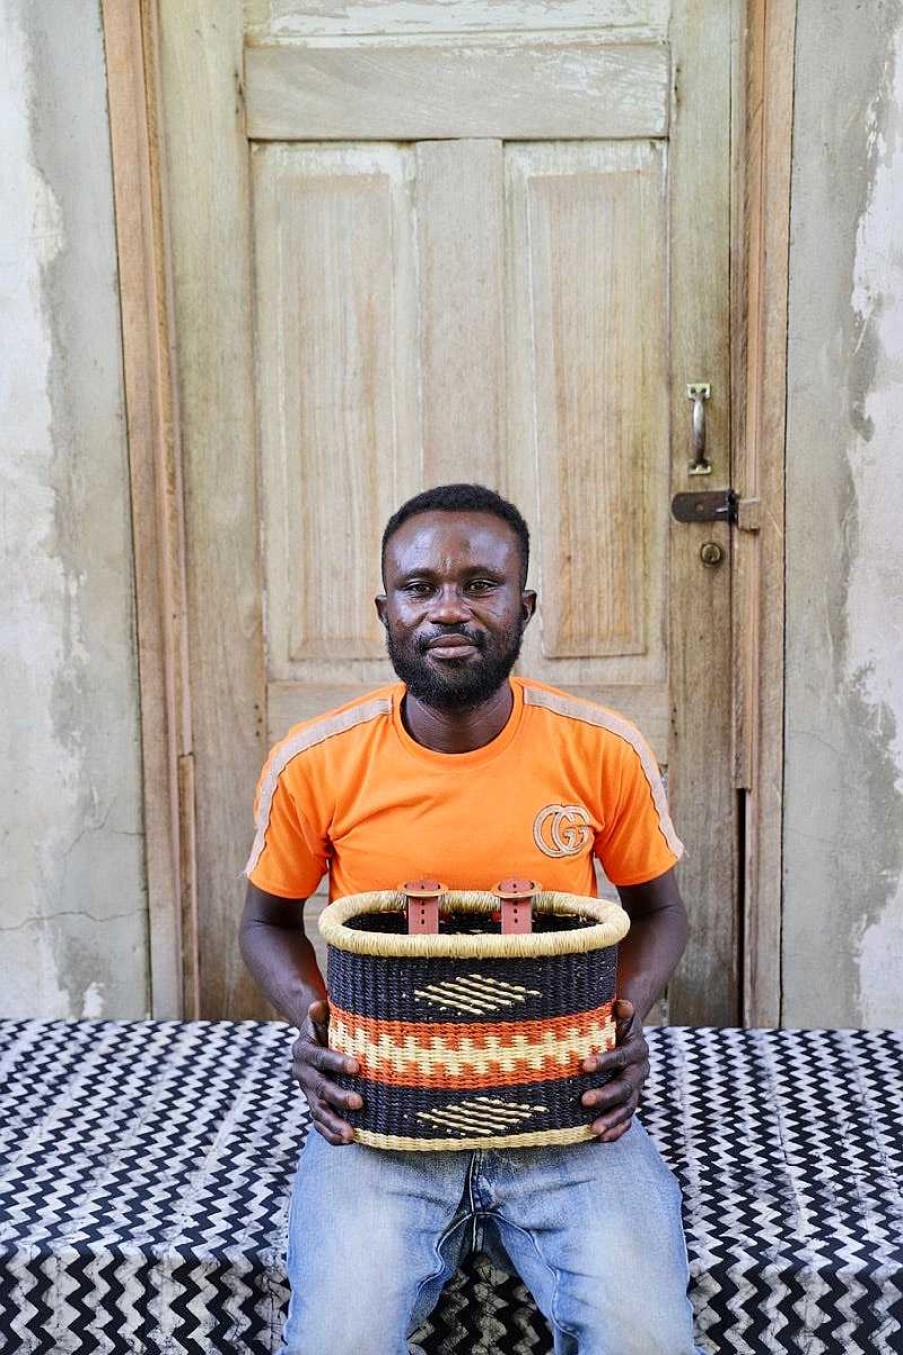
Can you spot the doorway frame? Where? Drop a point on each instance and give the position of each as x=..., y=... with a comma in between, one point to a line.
x=167, y=609
x=760, y=247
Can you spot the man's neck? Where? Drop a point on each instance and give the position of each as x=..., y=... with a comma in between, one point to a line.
x=458, y=731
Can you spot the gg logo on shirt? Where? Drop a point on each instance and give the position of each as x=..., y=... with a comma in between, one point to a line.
x=562, y=830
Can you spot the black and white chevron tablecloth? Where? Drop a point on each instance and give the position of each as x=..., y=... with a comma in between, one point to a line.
x=145, y=1169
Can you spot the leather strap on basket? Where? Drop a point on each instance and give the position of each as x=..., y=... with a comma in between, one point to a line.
x=517, y=904
x=422, y=902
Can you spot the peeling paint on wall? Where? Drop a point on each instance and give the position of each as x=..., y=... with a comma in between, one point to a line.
x=74, y=908
x=843, y=848
x=875, y=596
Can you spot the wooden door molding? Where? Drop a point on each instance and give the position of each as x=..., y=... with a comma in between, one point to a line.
x=156, y=497
x=201, y=54
x=706, y=986
x=762, y=238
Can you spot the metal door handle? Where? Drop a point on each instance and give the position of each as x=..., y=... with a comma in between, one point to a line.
x=699, y=392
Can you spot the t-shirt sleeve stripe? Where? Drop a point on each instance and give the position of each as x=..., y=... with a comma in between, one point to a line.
x=306, y=737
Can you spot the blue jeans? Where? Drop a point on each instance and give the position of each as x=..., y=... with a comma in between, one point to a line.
x=593, y=1229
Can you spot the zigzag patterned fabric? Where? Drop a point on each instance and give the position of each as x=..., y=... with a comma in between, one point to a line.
x=145, y=1171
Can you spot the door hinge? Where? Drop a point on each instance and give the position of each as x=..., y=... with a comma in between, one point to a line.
x=718, y=505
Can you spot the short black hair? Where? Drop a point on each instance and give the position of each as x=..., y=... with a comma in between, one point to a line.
x=462, y=499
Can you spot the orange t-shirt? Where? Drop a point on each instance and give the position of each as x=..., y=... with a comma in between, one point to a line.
x=352, y=793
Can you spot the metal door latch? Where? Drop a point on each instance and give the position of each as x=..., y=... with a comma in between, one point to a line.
x=718, y=505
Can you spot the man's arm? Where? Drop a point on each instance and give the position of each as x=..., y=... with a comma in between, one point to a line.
x=282, y=960
x=649, y=953
x=647, y=958
x=276, y=950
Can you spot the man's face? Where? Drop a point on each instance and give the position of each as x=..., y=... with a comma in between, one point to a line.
x=454, y=609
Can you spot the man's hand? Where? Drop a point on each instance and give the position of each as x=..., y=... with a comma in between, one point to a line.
x=629, y=1061
x=646, y=960
x=312, y=1061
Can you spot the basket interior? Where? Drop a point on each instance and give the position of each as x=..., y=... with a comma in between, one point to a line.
x=451, y=923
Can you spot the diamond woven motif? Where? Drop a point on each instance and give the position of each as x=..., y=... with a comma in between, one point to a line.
x=145, y=1170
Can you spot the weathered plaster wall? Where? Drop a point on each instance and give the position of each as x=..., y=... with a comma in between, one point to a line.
x=73, y=927
x=843, y=909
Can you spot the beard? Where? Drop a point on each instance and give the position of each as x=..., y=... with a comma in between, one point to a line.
x=460, y=684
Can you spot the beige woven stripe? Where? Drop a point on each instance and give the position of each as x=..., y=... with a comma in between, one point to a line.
x=306, y=738
x=475, y=1120
x=589, y=714
x=610, y=925
x=405, y=1054
x=482, y=1114
x=537, y=1139
x=475, y=993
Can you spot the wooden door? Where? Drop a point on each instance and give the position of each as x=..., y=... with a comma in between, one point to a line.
x=423, y=243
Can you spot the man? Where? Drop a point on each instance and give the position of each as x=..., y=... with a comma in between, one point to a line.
x=458, y=772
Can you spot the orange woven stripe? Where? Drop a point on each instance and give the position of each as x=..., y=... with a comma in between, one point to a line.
x=506, y=1033
x=474, y=1054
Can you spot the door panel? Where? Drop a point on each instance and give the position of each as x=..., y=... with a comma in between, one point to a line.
x=337, y=375
x=588, y=400
x=503, y=86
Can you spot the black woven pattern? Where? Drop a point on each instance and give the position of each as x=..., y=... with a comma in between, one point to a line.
x=413, y=1113
x=387, y=988
x=395, y=923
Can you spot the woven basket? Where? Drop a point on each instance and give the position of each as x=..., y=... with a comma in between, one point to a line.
x=469, y=1038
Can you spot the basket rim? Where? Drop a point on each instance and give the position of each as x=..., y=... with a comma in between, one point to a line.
x=610, y=927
